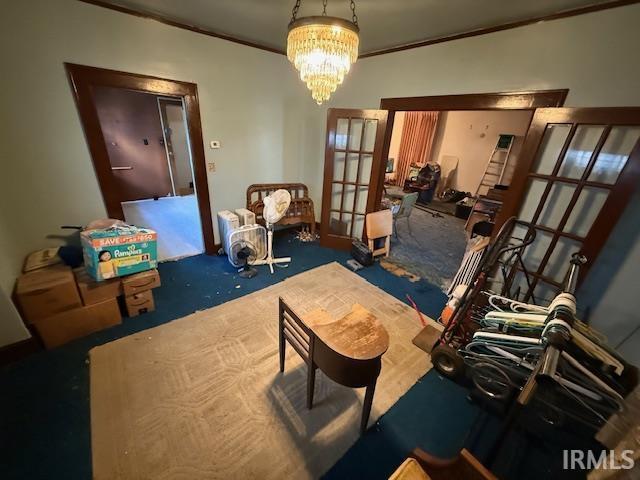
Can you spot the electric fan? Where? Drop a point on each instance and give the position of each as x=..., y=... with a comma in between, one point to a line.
x=242, y=255
x=275, y=206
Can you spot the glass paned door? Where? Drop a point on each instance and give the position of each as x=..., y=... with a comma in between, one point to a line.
x=353, y=165
x=577, y=170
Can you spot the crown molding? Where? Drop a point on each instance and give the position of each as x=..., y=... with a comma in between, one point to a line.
x=422, y=43
x=504, y=26
x=184, y=26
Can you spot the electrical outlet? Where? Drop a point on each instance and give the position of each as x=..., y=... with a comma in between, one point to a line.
x=211, y=166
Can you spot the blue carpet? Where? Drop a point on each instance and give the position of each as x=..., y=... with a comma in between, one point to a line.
x=437, y=416
x=44, y=399
x=434, y=414
x=430, y=247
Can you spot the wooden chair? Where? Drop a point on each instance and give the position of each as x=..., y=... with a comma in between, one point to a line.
x=423, y=466
x=379, y=225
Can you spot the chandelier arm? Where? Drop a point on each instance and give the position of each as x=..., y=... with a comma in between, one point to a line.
x=294, y=11
x=324, y=8
x=354, y=17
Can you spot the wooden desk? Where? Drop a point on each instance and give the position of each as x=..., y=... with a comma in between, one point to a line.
x=348, y=350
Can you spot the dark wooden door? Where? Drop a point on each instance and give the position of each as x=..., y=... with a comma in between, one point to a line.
x=132, y=132
x=352, y=169
x=577, y=170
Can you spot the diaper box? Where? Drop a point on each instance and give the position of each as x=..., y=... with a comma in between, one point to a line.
x=119, y=250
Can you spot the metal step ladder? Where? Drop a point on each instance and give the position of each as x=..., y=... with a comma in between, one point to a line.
x=497, y=164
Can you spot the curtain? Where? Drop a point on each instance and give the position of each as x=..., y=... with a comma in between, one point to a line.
x=418, y=132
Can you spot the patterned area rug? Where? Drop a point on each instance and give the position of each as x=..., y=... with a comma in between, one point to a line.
x=202, y=397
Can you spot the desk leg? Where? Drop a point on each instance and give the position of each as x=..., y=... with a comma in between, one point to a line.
x=281, y=338
x=311, y=383
x=366, y=407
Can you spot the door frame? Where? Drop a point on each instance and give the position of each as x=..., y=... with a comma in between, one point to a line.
x=84, y=78
x=521, y=100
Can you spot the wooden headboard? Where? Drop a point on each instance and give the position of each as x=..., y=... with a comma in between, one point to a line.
x=301, y=208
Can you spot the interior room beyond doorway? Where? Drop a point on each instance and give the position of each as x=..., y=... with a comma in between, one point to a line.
x=436, y=160
x=150, y=159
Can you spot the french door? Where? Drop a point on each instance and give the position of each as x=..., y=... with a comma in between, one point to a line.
x=577, y=170
x=353, y=173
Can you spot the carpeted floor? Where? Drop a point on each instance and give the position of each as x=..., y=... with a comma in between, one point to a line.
x=45, y=419
x=202, y=397
x=430, y=247
x=44, y=399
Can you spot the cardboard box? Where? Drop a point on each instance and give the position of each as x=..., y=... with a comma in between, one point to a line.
x=118, y=250
x=47, y=291
x=42, y=258
x=66, y=326
x=139, y=303
x=141, y=282
x=92, y=291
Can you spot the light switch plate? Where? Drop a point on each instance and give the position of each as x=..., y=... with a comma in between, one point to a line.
x=214, y=144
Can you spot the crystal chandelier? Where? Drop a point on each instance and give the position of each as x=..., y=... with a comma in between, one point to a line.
x=322, y=49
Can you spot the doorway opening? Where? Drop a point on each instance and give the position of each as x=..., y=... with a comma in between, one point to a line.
x=149, y=153
x=576, y=171
x=358, y=159
x=146, y=143
x=439, y=163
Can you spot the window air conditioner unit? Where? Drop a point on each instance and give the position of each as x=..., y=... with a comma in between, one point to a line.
x=227, y=223
x=247, y=217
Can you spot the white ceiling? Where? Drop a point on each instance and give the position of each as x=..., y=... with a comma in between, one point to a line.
x=383, y=23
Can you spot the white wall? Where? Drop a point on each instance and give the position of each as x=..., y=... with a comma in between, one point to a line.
x=609, y=294
x=11, y=327
x=250, y=100
x=396, y=137
x=471, y=136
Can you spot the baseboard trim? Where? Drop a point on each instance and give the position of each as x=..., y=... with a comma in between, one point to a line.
x=19, y=350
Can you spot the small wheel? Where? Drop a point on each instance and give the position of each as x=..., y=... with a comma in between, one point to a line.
x=447, y=361
x=491, y=380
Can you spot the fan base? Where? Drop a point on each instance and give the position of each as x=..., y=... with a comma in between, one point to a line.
x=248, y=272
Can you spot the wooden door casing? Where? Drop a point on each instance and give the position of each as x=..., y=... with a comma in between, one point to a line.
x=84, y=78
x=329, y=237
